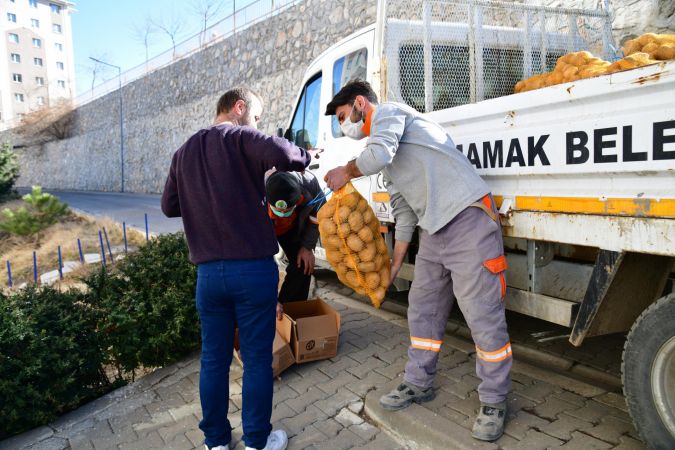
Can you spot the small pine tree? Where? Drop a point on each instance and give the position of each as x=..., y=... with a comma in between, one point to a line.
x=43, y=211
x=9, y=171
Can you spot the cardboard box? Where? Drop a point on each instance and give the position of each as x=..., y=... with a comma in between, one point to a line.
x=282, y=356
x=314, y=329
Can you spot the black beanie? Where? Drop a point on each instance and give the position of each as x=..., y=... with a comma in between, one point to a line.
x=282, y=186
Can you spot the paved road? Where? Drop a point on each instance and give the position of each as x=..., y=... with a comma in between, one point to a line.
x=129, y=208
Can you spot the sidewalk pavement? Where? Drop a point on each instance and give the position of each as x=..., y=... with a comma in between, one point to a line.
x=332, y=404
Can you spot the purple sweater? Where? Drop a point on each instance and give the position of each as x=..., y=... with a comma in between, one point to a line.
x=216, y=184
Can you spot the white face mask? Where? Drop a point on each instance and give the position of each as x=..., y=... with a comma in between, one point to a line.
x=351, y=129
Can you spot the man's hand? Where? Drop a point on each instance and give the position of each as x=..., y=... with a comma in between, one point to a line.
x=395, y=269
x=336, y=178
x=400, y=249
x=280, y=311
x=306, y=258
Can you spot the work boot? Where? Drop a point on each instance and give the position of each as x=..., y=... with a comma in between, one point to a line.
x=404, y=395
x=489, y=425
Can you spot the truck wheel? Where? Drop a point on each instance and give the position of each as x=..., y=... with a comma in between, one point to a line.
x=648, y=369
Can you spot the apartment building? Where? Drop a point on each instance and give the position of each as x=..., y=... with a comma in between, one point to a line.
x=36, y=56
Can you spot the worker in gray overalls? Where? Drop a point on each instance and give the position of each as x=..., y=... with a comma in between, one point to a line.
x=461, y=254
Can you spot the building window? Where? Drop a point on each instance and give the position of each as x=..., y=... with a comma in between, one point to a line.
x=17, y=78
x=40, y=101
x=16, y=58
x=19, y=97
x=13, y=37
x=62, y=84
x=40, y=81
x=58, y=46
x=56, y=28
x=11, y=17
x=37, y=61
x=37, y=43
x=56, y=9
x=34, y=23
x=33, y=3
x=59, y=65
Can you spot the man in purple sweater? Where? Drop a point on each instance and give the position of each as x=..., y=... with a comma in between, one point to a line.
x=216, y=184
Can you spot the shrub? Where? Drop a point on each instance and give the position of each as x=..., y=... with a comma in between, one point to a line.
x=43, y=211
x=151, y=319
x=9, y=171
x=50, y=357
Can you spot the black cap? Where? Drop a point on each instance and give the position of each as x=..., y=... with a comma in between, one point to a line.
x=283, y=186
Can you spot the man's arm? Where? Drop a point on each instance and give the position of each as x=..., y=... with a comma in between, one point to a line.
x=170, y=201
x=272, y=151
x=406, y=221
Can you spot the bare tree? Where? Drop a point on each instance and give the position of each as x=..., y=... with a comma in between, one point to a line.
x=172, y=26
x=206, y=10
x=49, y=123
x=142, y=33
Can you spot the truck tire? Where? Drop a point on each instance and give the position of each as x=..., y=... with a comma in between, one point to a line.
x=648, y=371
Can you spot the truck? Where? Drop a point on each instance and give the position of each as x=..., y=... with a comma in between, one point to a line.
x=583, y=172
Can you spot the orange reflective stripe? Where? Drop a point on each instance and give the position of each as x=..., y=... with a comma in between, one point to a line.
x=487, y=202
x=425, y=344
x=496, y=356
x=496, y=265
x=502, y=280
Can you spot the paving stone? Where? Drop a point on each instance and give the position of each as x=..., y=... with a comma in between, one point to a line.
x=507, y=441
x=534, y=440
x=463, y=387
x=337, y=401
x=298, y=423
x=339, y=366
x=611, y=429
x=343, y=379
x=282, y=411
x=395, y=369
x=365, y=431
x=451, y=359
x=312, y=379
x=613, y=399
x=391, y=356
x=467, y=406
x=552, y=407
x=571, y=397
x=345, y=440
x=348, y=418
x=121, y=439
x=300, y=403
x=365, y=368
x=356, y=407
x=51, y=443
x=310, y=436
x=196, y=437
x=330, y=427
x=515, y=403
x=457, y=373
x=456, y=417
x=594, y=411
x=628, y=443
x=180, y=442
x=522, y=423
x=179, y=428
x=362, y=355
x=564, y=426
x=80, y=443
x=361, y=387
x=538, y=391
x=581, y=441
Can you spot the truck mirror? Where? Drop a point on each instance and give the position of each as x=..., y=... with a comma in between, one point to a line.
x=280, y=132
x=289, y=135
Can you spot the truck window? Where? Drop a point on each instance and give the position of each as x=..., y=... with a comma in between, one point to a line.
x=304, y=130
x=502, y=69
x=350, y=67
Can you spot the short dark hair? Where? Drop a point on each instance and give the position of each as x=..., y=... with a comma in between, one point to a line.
x=231, y=97
x=348, y=94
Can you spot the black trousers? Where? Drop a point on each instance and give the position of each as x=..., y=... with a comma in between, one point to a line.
x=296, y=283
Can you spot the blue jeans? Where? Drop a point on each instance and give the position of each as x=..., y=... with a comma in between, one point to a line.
x=233, y=293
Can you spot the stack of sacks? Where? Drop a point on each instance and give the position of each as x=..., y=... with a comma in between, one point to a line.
x=354, y=246
x=660, y=47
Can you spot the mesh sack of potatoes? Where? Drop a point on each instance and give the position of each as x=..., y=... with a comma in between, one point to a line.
x=659, y=47
x=354, y=246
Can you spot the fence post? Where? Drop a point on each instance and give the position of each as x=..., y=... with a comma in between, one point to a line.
x=147, y=234
x=9, y=274
x=79, y=248
x=60, y=264
x=124, y=230
x=100, y=239
x=105, y=233
x=35, y=276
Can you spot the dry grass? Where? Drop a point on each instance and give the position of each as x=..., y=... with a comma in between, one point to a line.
x=19, y=250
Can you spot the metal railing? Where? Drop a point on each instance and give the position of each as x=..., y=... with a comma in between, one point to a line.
x=238, y=21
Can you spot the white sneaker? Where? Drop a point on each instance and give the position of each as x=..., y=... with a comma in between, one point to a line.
x=277, y=440
x=220, y=447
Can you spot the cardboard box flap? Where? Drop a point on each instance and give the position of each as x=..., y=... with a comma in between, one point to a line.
x=317, y=327
x=310, y=308
x=285, y=328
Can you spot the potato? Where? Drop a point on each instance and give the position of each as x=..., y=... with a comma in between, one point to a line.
x=327, y=228
x=354, y=243
x=381, y=247
x=631, y=46
x=349, y=200
x=519, y=86
x=366, y=235
x=343, y=213
x=352, y=278
x=343, y=229
x=334, y=258
x=355, y=220
x=385, y=273
x=372, y=280
x=366, y=267
x=646, y=39
x=665, y=52
x=665, y=39
x=650, y=49
x=368, y=253
x=326, y=211
x=362, y=205
x=331, y=242
x=378, y=296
